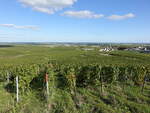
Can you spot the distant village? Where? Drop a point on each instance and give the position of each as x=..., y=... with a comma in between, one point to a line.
x=141, y=49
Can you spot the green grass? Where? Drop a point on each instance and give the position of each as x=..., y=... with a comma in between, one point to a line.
x=6, y=100
x=85, y=100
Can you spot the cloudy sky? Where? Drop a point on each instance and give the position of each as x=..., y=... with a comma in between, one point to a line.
x=74, y=21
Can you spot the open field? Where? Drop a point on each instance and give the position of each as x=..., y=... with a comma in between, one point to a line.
x=28, y=54
x=80, y=81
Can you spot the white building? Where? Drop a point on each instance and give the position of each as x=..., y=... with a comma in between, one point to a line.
x=107, y=49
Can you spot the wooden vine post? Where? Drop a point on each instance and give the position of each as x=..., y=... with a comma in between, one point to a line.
x=17, y=89
x=8, y=74
x=47, y=85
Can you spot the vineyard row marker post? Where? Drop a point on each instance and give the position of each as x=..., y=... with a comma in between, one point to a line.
x=17, y=89
x=8, y=77
x=47, y=86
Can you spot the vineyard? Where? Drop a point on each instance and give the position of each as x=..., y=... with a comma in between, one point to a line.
x=53, y=86
x=72, y=79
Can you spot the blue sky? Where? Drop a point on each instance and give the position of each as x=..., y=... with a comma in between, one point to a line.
x=74, y=21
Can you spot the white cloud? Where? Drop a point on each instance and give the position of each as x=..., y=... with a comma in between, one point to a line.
x=19, y=27
x=121, y=17
x=82, y=14
x=47, y=6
